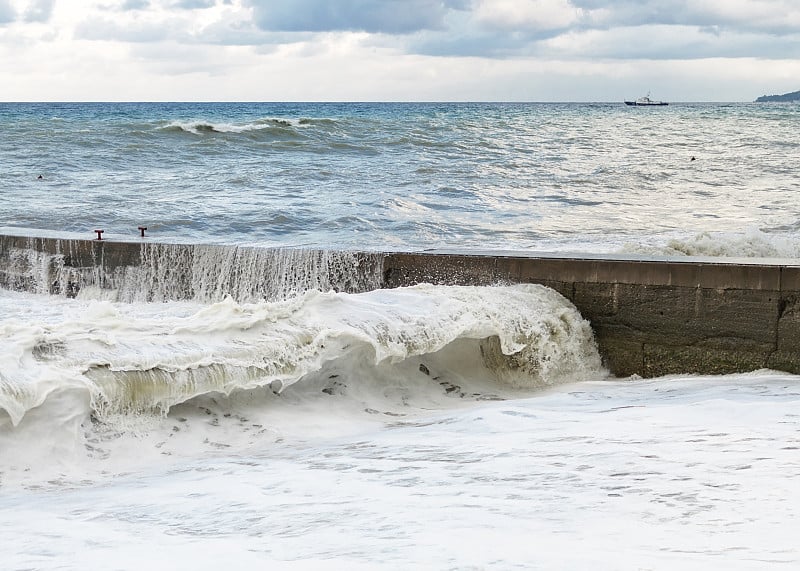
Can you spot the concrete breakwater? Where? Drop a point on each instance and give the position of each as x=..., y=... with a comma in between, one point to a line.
x=650, y=316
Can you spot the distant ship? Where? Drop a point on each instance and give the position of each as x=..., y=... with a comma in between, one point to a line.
x=646, y=102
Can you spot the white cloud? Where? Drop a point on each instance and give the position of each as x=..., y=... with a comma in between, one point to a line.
x=131, y=31
x=668, y=43
x=764, y=16
x=526, y=14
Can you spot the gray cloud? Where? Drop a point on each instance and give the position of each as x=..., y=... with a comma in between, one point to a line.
x=623, y=29
x=564, y=29
x=39, y=11
x=632, y=12
x=135, y=5
x=765, y=16
x=7, y=13
x=245, y=34
x=375, y=16
x=194, y=4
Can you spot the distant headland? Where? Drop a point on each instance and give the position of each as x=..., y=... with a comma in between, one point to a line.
x=793, y=96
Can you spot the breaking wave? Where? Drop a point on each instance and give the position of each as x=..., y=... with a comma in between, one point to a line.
x=128, y=362
x=752, y=243
x=80, y=379
x=266, y=125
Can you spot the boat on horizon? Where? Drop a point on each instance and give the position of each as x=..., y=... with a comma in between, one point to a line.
x=646, y=102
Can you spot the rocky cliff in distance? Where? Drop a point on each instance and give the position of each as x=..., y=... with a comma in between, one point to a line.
x=793, y=96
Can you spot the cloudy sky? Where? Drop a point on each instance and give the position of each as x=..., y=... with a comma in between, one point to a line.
x=397, y=50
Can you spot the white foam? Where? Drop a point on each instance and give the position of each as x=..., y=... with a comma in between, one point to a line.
x=200, y=127
x=118, y=368
x=680, y=472
x=752, y=243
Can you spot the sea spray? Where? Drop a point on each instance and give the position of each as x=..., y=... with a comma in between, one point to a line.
x=165, y=272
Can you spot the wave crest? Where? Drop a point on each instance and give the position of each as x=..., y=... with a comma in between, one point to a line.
x=752, y=243
x=267, y=124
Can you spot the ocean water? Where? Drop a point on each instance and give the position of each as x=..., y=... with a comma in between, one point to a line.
x=597, y=177
x=431, y=427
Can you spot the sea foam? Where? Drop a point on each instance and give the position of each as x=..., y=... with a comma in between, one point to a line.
x=527, y=335
x=115, y=362
x=752, y=243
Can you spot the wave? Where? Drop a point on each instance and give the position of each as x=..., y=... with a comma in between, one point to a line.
x=98, y=366
x=203, y=127
x=752, y=243
x=528, y=335
x=267, y=125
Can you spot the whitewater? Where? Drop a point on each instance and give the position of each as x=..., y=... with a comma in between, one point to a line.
x=268, y=406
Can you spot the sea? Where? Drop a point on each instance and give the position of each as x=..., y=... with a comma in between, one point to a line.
x=425, y=427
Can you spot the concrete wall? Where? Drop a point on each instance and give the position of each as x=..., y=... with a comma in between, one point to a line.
x=650, y=316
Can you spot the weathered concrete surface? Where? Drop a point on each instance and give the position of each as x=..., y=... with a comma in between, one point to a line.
x=650, y=316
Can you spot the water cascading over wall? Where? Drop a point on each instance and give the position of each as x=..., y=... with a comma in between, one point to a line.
x=131, y=272
x=650, y=316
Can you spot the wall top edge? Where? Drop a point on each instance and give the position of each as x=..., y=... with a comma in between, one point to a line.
x=500, y=254
x=611, y=257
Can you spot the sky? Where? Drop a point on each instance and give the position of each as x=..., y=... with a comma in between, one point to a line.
x=397, y=50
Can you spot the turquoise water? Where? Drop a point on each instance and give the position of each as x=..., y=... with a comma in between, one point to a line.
x=597, y=177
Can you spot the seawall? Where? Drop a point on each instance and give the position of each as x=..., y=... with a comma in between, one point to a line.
x=651, y=316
